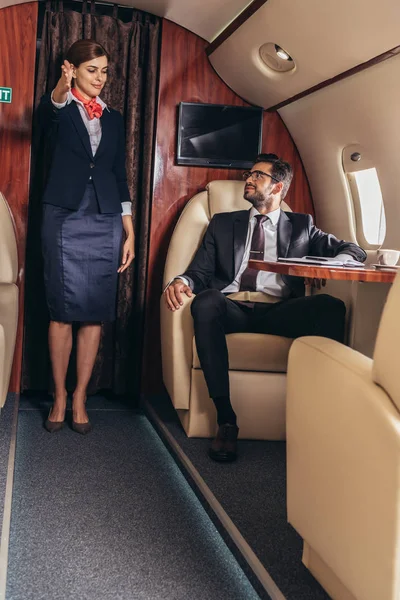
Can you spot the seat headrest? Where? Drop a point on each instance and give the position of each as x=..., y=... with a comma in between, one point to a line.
x=8, y=245
x=227, y=196
x=385, y=369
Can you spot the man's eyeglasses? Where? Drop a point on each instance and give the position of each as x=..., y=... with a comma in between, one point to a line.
x=257, y=175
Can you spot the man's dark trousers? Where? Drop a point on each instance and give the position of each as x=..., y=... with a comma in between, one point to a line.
x=215, y=315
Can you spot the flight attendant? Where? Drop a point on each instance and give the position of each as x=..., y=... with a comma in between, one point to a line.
x=86, y=207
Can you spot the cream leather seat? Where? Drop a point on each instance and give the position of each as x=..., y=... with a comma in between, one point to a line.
x=257, y=362
x=343, y=454
x=8, y=296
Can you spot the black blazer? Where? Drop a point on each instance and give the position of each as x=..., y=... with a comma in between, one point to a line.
x=73, y=162
x=220, y=255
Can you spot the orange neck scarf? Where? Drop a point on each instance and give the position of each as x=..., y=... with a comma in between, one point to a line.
x=92, y=107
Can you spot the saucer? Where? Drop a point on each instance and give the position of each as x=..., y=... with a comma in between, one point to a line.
x=386, y=267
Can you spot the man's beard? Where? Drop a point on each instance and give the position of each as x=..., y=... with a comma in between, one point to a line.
x=257, y=199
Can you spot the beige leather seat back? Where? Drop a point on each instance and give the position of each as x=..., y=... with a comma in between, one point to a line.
x=343, y=460
x=8, y=245
x=220, y=196
x=8, y=295
x=386, y=361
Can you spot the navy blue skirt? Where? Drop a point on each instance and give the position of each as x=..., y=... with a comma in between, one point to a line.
x=82, y=252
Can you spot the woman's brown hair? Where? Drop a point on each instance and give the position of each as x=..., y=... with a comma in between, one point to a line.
x=85, y=50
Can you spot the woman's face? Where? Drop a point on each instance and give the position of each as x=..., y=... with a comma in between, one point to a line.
x=91, y=76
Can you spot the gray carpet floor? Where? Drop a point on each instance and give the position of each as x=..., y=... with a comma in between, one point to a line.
x=110, y=516
x=253, y=493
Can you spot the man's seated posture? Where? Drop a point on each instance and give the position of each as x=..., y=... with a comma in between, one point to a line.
x=278, y=305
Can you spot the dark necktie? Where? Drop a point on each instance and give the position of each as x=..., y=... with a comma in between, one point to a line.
x=249, y=277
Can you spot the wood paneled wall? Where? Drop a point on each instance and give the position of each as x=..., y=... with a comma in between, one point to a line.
x=187, y=76
x=18, y=26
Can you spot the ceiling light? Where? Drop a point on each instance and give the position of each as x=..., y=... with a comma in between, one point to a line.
x=276, y=58
x=282, y=54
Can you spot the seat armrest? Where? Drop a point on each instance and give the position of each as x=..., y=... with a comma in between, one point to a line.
x=177, y=351
x=343, y=463
x=331, y=350
x=9, y=294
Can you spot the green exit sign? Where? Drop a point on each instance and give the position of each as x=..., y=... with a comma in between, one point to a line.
x=5, y=95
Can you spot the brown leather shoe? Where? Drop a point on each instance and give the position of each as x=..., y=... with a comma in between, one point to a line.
x=223, y=447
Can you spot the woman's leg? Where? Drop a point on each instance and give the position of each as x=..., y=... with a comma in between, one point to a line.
x=60, y=344
x=88, y=341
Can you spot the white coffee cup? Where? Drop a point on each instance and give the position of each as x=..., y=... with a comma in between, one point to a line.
x=388, y=257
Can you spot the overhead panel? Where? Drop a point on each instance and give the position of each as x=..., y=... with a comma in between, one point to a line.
x=324, y=39
x=206, y=18
x=360, y=112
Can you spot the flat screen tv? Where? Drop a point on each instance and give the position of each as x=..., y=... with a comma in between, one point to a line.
x=217, y=135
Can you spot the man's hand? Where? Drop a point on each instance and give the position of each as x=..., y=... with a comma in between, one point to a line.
x=314, y=282
x=173, y=294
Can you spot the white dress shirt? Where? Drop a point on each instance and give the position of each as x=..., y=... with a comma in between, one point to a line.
x=93, y=127
x=269, y=283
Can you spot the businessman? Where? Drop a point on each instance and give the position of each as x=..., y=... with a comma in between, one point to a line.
x=274, y=304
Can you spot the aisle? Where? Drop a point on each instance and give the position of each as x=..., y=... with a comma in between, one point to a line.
x=252, y=492
x=110, y=516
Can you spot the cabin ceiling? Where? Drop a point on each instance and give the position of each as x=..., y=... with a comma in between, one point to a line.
x=324, y=39
x=206, y=18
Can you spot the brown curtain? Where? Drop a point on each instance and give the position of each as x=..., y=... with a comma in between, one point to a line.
x=132, y=89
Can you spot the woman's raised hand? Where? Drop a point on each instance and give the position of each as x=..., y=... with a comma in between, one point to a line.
x=64, y=83
x=66, y=75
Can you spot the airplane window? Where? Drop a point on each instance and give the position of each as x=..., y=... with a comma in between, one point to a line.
x=369, y=207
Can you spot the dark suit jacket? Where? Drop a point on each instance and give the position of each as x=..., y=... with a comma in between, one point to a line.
x=220, y=255
x=73, y=162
